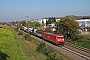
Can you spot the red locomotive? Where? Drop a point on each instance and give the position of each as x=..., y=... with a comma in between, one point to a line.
x=58, y=39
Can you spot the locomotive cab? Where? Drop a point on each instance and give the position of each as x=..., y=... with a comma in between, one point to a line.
x=61, y=40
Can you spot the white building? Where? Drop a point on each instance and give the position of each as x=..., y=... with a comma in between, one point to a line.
x=46, y=19
x=84, y=20
x=84, y=23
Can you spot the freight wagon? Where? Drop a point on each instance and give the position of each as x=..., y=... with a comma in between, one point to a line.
x=21, y=28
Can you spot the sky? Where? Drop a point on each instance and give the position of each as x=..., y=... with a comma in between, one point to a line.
x=17, y=10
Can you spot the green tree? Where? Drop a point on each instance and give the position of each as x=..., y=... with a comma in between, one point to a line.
x=86, y=17
x=48, y=30
x=42, y=23
x=12, y=23
x=54, y=19
x=34, y=24
x=23, y=22
x=67, y=27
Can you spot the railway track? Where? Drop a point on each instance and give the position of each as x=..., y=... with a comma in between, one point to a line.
x=80, y=51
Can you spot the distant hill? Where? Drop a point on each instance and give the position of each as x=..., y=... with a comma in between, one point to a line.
x=77, y=17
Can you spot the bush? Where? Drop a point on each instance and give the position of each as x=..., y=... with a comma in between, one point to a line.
x=40, y=47
x=48, y=51
x=20, y=33
x=51, y=56
x=16, y=29
x=27, y=37
x=81, y=37
x=59, y=58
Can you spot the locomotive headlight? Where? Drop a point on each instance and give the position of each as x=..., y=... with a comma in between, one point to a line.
x=62, y=39
x=58, y=40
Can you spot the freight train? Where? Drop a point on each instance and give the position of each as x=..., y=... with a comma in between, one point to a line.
x=57, y=39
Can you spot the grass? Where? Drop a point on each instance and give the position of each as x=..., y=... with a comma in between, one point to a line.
x=83, y=40
x=82, y=43
x=10, y=47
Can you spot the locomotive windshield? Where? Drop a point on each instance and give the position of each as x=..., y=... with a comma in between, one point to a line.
x=60, y=36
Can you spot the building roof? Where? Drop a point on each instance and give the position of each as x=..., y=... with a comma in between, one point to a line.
x=83, y=20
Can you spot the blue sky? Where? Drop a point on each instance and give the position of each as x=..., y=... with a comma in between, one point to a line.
x=13, y=10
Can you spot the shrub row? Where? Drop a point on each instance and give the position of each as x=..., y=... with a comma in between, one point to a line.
x=48, y=51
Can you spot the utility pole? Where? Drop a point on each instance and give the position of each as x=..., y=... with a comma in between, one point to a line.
x=26, y=18
x=27, y=21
